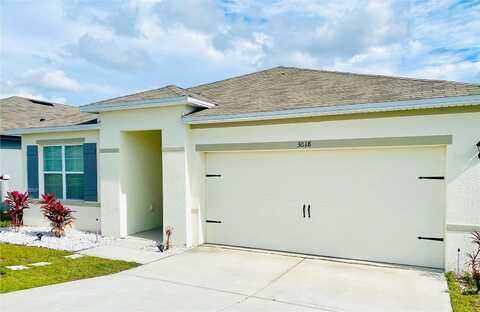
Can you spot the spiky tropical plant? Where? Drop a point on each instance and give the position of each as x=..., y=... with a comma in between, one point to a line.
x=17, y=202
x=59, y=216
x=473, y=260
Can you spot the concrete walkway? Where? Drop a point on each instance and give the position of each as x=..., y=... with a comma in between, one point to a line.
x=218, y=279
x=140, y=248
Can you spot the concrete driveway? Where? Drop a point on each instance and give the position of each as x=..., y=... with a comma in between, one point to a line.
x=218, y=279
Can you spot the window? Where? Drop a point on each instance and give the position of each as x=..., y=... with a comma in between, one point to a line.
x=63, y=171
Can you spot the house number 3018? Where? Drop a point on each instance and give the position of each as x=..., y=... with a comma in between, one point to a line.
x=304, y=144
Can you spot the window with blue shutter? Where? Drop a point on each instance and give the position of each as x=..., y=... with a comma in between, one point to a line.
x=90, y=172
x=74, y=174
x=63, y=171
x=53, y=170
x=69, y=171
x=32, y=170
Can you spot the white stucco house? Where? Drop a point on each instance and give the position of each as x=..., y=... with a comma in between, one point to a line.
x=326, y=163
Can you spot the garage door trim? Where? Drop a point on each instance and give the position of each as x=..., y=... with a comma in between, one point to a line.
x=334, y=143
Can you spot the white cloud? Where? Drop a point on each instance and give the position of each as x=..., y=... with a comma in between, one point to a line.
x=113, y=54
x=57, y=80
x=465, y=70
x=203, y=16
x=138, y=44
x=47, y=84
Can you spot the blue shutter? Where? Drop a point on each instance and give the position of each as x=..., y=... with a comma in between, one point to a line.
x=32, y=170
x=10, y=142
x=90, y=172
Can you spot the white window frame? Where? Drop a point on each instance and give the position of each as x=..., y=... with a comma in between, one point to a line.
x=63, y=172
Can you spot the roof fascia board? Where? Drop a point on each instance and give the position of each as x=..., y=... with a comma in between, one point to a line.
x=171, y=101
x=340, y=110
x=199, y=103
x=103, y=107
x=21, y=131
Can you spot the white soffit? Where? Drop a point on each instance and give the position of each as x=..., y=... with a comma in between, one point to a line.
x=340, y=110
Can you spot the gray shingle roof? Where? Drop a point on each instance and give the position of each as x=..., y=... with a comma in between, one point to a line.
x=165, y=92
x=20, y=112
x=283, y=88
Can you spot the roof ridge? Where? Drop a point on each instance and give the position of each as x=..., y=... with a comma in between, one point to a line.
x=333, y=72
x=236, y=77
x=121, y=96
x=376, y=75
x=174, y=89
x=177, y=90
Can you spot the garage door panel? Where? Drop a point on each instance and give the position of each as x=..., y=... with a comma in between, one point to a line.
x=253, y=209
x=365, y=203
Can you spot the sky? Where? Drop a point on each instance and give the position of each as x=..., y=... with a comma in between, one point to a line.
x=79, y=52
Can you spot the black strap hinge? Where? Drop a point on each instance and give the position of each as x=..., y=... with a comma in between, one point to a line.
x=438, y=239
x=213, y=175
x=213, y=221
x=432, y=178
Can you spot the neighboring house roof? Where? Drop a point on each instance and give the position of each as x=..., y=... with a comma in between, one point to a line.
x=19, y=112
x=288, y=88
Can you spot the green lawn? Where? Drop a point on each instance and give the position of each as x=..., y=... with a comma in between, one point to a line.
x=461, y=302
x=61, y=270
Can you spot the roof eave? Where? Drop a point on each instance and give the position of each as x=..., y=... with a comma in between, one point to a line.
x=339, y=110
x=69, y=128
x=164, y=102
x=199, y=103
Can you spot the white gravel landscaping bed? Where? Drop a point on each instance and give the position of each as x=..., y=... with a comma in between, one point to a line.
x=73, y=240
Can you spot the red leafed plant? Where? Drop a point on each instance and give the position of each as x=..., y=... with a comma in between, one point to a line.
x=17, y=201
x=473, y=260
x=59, y=216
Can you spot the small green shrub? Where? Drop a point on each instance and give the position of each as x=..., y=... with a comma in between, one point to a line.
x=4, y=223
x=461, y=302
x=473, y=260
x=467, y=280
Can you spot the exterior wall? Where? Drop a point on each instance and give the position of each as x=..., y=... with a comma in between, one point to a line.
x=11, y=164
x=196, y=165
x=183, y=176
x=462, y=163
x=86, y=213
x=177, y=201
x=85, y=216
x=142, y=179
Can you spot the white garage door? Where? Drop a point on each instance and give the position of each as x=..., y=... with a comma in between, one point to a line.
x=359, y=203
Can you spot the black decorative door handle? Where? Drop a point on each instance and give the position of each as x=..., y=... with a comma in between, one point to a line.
x=304, y=211
x=309, y=211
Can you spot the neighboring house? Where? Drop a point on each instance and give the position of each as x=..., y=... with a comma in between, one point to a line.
x=335, y=164
x=21, y=112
